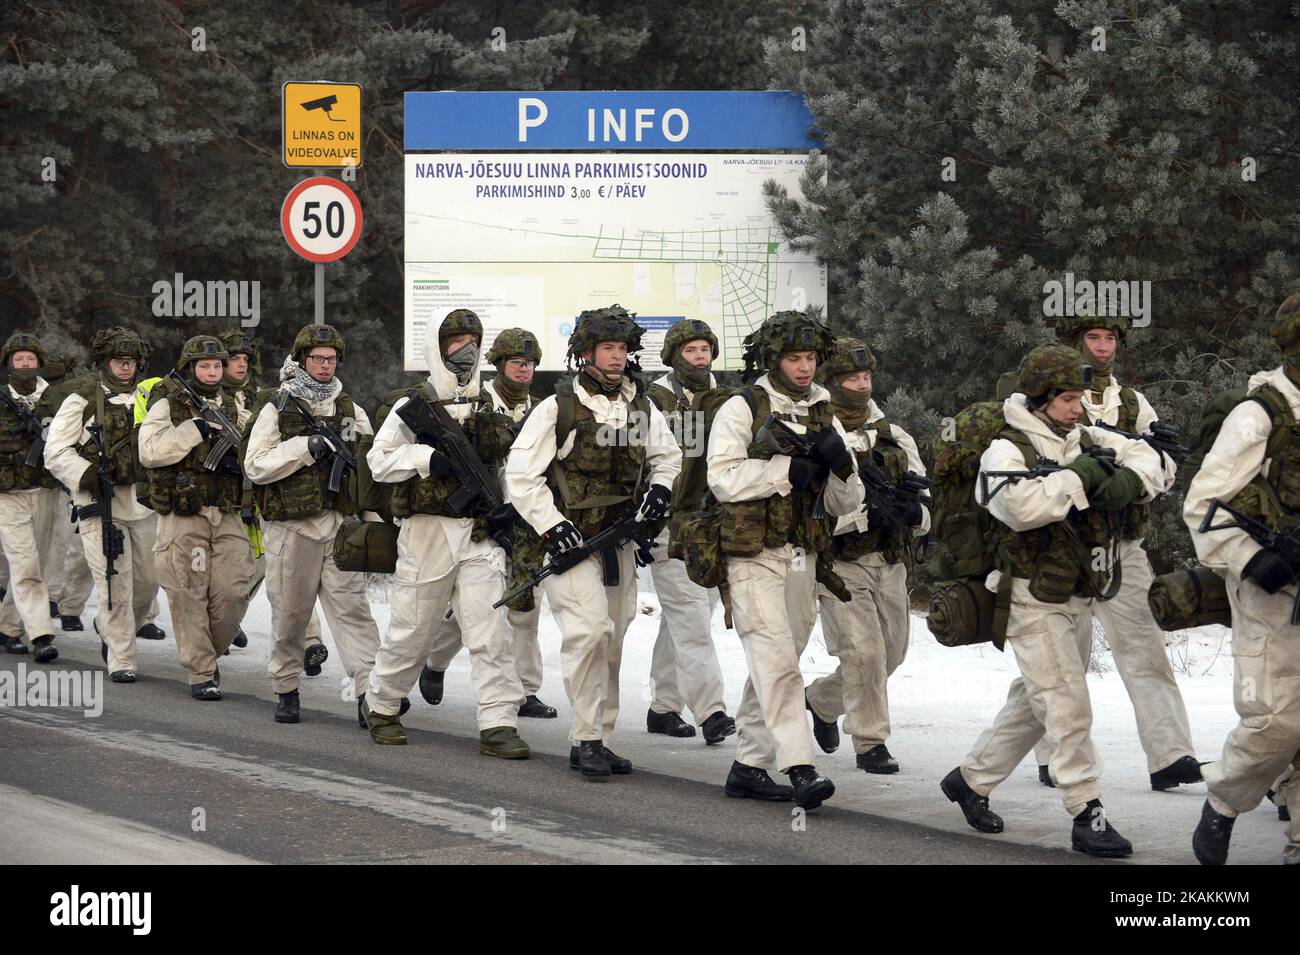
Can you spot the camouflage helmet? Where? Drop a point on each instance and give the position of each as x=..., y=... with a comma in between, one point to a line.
x=1070, y=329
x=1286, y=326
x=851, y=355
x=515, y=343
x=786, y=332
x=22, y=341
x=200, y=347
x=1008, y=384
x=239, y=342
x=118, y=342
x=316, y=336
x=460, y=321
x=1053, y=368
x=56, y=367
x=684, y=331
x=611, y=324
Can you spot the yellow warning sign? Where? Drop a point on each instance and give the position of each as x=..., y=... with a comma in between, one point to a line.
x=321, y=125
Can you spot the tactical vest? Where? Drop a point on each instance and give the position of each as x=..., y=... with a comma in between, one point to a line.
x=1057, y=558
x=891, y=542
x=1137, y=517
x=305, y=492
x=118, y=422
x=484, y=429
x=748, y=527
x=15, y=442
x=186, y=486
x=1273, y=496
x=594, y=486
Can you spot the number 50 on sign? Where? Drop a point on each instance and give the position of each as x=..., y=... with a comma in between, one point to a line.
x=321, y=219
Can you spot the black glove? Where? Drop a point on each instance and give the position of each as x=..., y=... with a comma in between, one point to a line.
x=317, y=447
x=1269, y=570
x=803, y=472
x=654, y=505
x=912, y=516
x=439, y=464
x=642, y=554
x=830, y=452
x=228, y=466
x=206, y=430
x=560, y=538
x=501, y=519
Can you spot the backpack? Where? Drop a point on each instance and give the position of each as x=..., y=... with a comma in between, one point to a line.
x=1214, y=414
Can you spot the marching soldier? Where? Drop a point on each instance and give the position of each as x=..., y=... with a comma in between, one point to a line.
x=577, y=467
x=869, y=634
x=1053, y=525
x=240, y=381
x=1252, y=466
x=684, y=668
x=105, y=401
x=28, y=502
x=290, y=457
x=771, y=539
x=202, y=553
x=515, y=352
x=1136, y=641
x=444, y=555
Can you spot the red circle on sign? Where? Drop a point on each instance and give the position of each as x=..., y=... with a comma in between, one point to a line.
x=287, y=206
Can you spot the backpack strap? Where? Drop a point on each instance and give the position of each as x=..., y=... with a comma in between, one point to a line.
x=1128, y=409
x=566, y=411
x=1023, y=445
x=1279, y=415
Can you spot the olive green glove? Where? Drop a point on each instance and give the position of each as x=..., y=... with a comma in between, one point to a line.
x=89, y=483
x=1120, y=489
x=1093, y=472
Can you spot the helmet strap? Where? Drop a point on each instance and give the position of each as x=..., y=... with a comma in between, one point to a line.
x=598, y=382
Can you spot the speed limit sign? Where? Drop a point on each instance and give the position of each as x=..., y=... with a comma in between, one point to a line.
x=321, y=219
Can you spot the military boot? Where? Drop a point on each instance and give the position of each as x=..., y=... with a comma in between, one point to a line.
x=241, y=639
x=151, y=632
x=361, y=710
x=54, y=608
x=749, y=782
x=207, y=692
x=1213, y=832
x=13, y=644
x=1045, y=777
x=826, y=733
x=46, y=652
x=70, y=624
x=287, y=710
x=1092, y=833
x=385, y=730
x=717, y=727
x=503, y=742
x=535, y=709
x=588, y=759
x=810, y=788
x=313, y=657
x=973, y=806
x=431, y=685
x=877, y=760
x=1181, y=771
x=122, y=676
x=669, y=724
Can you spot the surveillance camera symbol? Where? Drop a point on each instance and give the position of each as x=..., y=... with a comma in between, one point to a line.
x=325, y=102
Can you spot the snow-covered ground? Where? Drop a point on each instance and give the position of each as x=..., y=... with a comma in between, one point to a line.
x=940, y=701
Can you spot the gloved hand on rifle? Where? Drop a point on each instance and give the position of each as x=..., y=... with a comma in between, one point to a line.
x=654, y=505
x=830, y=452
x=317, y=447
x=204, y=427
x=1117, y=491
x=560, y=538
x=642, y=554
x=228, y=466
x=439, y=464
x=89, y=483
x=803, y=471
x=1270, y=571
x=1092, y=471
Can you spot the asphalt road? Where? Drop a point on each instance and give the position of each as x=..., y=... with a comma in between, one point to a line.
x=160, y=778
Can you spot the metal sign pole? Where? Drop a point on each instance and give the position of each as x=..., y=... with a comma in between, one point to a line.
x=320, y=293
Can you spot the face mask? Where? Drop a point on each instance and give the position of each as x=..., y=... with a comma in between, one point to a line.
x=602, y=383
x=512, y=391
x=787, y=387
x=23, y=380
x=463, y=361
x=205, y=390
x=690, y=377
x=116, y=385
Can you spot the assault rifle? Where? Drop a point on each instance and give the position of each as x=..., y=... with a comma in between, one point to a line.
x=435, y=427
x=627, y=530
x=1163, y=437
x=30, y=422
x=342, y=459
x=229, y=434
x=1287, y=545
x=778, y=437
x=112, y=538
x=893, y=501
x=1044, y=467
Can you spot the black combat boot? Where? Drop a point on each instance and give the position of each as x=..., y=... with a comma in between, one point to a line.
x=810, y=788
x=287, y=710
x=70, y=624
x=241, y=639
x=151, y=632
x=1045, y=777
x=535, y=709
x=46, y=652
x=747, y=782
x=216, y=675
x=1210, y=840
x=313, y=657
x=1181, y=771
x=207, y=692
x=13, y=644
x=54, y=608
x=973, y=806
x=717, y=727
x=877, y=760
x=1092, y=833
x=588, y=758
x=826, y=733
x=122, y=676
x=669, y=724
x=431, y=685
x=361, y=710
